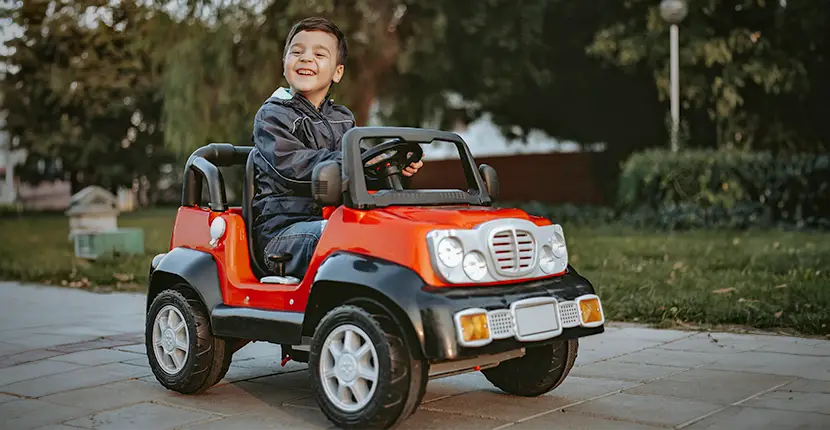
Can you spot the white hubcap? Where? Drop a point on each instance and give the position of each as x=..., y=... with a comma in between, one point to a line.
x=171, y=341
x=349, y=368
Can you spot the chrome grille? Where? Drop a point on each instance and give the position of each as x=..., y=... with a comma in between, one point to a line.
x=500, y=323
x=569, y=312
x=513, y=251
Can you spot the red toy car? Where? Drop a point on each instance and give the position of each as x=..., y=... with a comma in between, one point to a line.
x=404, y=285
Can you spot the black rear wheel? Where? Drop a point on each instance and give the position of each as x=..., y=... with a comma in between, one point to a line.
x=362, y=369
x=183, y=353
x=539, y=371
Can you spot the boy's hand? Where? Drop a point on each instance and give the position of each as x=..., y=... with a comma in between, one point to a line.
x=413, y=168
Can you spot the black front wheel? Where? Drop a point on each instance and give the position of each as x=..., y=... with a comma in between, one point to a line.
x=183, y=353
x=539, y=371
x=362, y=370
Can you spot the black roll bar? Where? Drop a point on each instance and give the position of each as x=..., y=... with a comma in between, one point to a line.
x=206, y=161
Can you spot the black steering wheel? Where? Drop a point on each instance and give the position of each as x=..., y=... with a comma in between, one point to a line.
x=388, y=159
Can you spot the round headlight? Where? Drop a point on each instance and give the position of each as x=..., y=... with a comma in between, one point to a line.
x=450, y=251
x=558, y=245
x=547, y=262
x=475, y=266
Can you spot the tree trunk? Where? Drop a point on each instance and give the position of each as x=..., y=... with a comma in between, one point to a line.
x=364, y=91
x=75, y=183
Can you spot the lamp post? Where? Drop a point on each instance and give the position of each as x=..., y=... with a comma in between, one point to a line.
x=673, y=12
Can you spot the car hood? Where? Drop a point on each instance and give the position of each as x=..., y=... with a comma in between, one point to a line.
x=465, y=217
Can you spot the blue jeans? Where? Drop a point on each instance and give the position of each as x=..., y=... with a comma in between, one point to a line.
x=298, y=239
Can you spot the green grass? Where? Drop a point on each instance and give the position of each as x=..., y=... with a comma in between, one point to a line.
x=763, y=279
x=37, y=249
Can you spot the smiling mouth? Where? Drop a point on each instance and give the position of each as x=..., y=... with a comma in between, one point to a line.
x=306, y=72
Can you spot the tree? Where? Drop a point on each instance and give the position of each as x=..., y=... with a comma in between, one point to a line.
x=226, y=65
x=82, y=92
x=752, y=73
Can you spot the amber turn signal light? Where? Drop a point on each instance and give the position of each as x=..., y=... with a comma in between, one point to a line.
x=475, y=327
x=590, y=310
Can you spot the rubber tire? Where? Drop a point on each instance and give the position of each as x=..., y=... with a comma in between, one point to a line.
x=539, y=371
x=209, y=357
x=402, y=376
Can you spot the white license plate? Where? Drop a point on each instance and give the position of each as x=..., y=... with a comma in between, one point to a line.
x=536, y=321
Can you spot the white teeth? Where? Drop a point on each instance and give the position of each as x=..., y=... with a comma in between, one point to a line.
x=305, y=72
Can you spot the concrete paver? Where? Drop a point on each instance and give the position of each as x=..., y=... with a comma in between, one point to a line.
x=646, y=409
x=108, y=396
x=31, y=413
x=626, y=371
x=500, y=406
x=797, y=402
x=711, y=386
x=743, y=418
x=75, y=379
x=141, y=416
x=770, y=363
x=7, y=398
x=26, y=357
x=670, y=358
x=70, y=359
x=35, y=369
x=99, y=356
x=274, y=419
x=807, y=386
x=568, y=420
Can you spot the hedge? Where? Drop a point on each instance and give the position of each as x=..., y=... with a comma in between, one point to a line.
x=730, y=189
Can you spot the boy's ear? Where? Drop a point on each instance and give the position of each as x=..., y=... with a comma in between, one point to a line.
x=338, y=73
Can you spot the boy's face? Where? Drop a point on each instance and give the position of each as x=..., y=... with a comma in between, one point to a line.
x=310, y=65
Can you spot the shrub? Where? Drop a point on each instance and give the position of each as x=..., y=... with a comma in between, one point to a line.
x=733, y=189
x=566, y=213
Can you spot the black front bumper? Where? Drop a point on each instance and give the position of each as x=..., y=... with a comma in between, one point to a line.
x=439, y=305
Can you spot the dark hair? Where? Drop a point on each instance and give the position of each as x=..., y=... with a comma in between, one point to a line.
x=321, y=24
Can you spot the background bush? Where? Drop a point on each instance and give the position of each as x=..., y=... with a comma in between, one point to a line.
x=730, y=189
x=567, y=213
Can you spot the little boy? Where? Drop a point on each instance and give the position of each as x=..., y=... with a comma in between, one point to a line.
x=295, y=129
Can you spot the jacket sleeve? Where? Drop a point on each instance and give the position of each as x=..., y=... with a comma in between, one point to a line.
x=293, y=160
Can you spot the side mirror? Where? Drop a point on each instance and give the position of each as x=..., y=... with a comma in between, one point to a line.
x=491, y=180
x=326, y=183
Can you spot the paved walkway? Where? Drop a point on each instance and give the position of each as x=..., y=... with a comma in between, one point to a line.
x=71, y=359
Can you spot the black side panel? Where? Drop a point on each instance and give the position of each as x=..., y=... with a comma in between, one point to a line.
x=197, y=268
x=258, y=324
x=397, y=283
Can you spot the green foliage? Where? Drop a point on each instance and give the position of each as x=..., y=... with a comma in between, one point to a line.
x=704, y=188
x=81, y=92
x=526, y=65
x=220, y=70
x=752, y=73
x=566, y=214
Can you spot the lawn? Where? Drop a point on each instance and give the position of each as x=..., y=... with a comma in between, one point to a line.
x=767, y=280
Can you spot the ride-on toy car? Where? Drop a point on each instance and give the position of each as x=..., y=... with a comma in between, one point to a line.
x=404, y=286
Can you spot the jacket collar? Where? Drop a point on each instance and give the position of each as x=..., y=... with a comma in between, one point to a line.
x=283, y=93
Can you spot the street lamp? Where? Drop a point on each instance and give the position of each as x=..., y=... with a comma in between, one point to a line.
x=673, y=11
